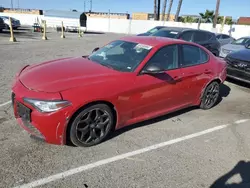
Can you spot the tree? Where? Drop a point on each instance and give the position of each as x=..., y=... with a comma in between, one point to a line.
x=208, y=16
x=178, y=11
x=164, y=10
x=216, y=13
x=155, y=9
x=187, y=19
x=229, y=21
x=169, y=9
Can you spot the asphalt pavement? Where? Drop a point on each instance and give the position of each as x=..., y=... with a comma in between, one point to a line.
x=191, y=148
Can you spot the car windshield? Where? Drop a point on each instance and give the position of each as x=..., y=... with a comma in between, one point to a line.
x=155, y=29
x=121, y=55
x=241, y=41
x=166, y=33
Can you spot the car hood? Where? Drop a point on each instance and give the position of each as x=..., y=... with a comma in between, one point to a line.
x=233, y=47
x=243, y=55
x=63, y=74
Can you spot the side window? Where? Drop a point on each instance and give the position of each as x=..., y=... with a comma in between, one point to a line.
x=187, y=36
x=200, y=36
x=193, y=55
x=218, y=36
x=166, y=57
x=225, y=37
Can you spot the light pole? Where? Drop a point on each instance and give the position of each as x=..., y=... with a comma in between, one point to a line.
x=11, y=4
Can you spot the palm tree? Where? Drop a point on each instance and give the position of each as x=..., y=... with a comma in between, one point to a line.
x=169, y=9
x=164, y=10
x=155, y=9
x=216, y=13
x=208, y=16
x=178, y=11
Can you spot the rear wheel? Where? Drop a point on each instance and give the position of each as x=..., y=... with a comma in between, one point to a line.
x=210, y=96
x=92, y=125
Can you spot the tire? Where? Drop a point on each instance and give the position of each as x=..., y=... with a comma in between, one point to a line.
x=91, y=125
x=210, y=96
x=1, y=30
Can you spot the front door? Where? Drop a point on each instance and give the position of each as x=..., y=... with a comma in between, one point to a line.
x=160, y=93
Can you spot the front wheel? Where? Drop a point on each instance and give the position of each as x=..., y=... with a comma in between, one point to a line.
x=210, y=96
x=92, y=125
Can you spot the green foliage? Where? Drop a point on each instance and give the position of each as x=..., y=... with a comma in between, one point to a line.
x=187, y=19
x=208, y=16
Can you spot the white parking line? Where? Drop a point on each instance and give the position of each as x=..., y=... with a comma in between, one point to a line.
x=122, y=156
x=4, y=104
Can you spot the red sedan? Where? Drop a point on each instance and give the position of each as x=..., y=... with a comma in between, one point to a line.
x=83, y=99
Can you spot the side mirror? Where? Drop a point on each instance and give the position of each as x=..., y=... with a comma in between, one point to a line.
x=153, y=69
x=95, y=49
x=247, y=46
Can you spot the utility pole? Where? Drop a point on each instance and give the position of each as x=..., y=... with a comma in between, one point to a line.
x=90, y=5
x=216, y=13
x=11, y=4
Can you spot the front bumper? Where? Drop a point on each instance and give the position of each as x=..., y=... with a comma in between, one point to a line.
x=238, y=74
x=49, y=127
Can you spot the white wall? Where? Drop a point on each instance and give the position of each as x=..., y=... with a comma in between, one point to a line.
x=126, y=26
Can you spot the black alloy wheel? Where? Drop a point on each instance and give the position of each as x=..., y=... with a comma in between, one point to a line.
x=210, y=96
x=92, y=125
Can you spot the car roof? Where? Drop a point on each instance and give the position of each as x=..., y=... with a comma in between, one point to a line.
x=181, y=29
x=178, y=28
x=153, y=40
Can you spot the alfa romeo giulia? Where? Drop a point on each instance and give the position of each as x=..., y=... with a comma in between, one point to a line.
x=83, y=99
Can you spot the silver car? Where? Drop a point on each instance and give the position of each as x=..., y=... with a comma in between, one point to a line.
x=234, y=46
x=224, y=39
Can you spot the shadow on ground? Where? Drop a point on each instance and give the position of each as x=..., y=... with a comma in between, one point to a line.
x=240, y=83
x=242, y=169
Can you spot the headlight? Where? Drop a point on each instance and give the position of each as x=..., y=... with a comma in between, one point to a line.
x=47, y=106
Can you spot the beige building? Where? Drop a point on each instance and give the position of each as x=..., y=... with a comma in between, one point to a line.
x=148, y=16
x=22, y=11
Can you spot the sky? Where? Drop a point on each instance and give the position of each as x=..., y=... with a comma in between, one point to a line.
x=234, y=8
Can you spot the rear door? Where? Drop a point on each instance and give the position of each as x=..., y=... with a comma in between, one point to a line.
x=225, y=39
x=195, y=68
x=208, y=40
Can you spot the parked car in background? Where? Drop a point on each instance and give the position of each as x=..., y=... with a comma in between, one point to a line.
x=224, y=39
x=238, y=64
x=236, y=45
x=2, y=25
x=15, y=23
x=152, y=31
x=74, y=102
x=204, y=38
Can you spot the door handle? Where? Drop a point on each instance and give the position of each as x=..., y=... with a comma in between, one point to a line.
x=207, y=71
x=177, y=78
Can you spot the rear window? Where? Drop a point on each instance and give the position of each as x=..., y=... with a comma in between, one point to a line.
x=166, y=33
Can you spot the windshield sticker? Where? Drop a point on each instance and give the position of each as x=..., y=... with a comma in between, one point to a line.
x=142, y=46
x=174, y=32
x=109, y=46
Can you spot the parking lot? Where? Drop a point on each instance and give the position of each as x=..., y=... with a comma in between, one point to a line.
x=191, y=148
